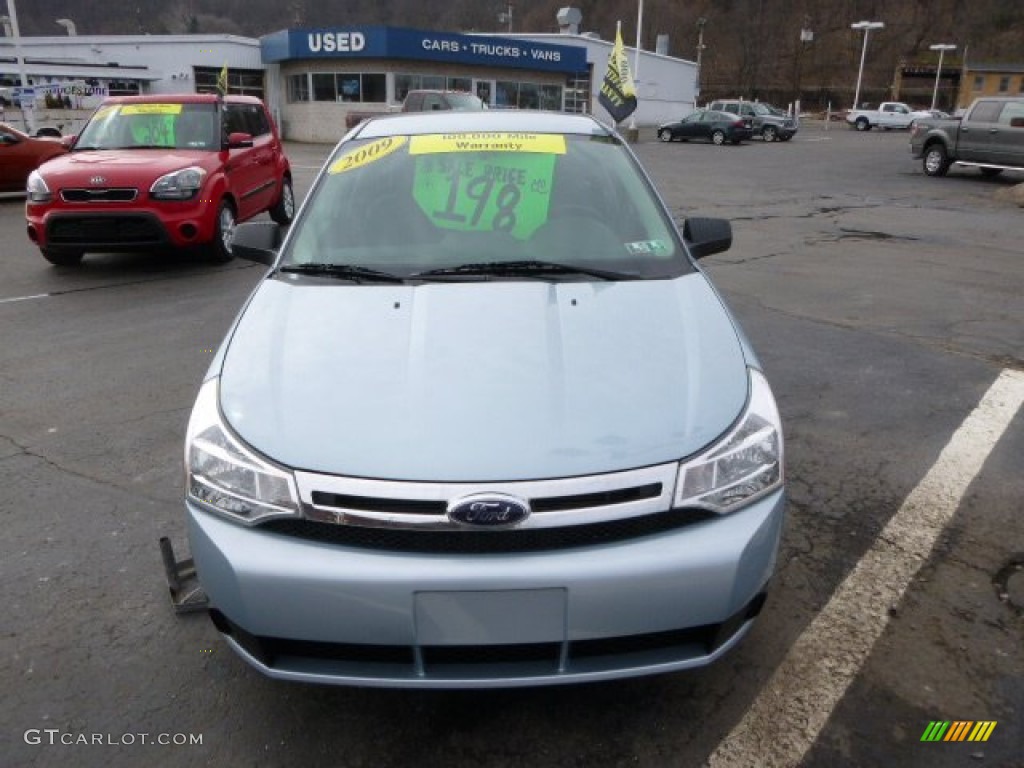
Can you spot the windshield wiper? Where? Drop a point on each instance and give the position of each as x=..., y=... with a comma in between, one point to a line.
x=343, y=272
x=532, y=267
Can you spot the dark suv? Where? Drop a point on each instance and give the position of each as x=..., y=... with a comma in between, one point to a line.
x=167, y=171
x=769, y=124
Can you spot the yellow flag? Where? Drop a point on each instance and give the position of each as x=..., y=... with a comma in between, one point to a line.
x=222, y=80
x=618, y=93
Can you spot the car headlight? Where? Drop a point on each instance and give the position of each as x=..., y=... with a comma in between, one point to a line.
x=745, y=465
x=224, y=476
x=180, y=185
x=36, y=189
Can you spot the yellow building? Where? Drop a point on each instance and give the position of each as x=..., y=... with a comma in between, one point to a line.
x=990, y=80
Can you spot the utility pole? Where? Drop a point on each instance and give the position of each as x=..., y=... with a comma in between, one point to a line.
x=700, y=51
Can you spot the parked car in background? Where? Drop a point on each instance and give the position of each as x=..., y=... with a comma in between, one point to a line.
x=484, y=423
x=889, y=115
x=425, y=101
x=769, y=123
x=708, y=124
x=989, y=137
x=928, y=115
x=20, y=154
x=160, y=171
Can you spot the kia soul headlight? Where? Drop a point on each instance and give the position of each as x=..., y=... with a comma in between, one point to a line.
x=180, y=185
x=744, y=465
x=36, y=189
x=224, y=476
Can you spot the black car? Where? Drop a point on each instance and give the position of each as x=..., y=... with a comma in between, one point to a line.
x=717, y=127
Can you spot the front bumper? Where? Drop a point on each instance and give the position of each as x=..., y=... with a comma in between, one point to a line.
x=314, y=611
x=120, y=228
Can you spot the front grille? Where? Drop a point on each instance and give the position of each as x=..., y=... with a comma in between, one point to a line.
x=104, y=230
x=487, y=541
x=102, y=195
x=542, y=504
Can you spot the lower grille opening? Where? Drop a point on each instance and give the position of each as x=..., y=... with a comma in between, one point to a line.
x=524, y=659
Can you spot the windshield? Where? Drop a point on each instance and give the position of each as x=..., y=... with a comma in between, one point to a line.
x=151, y=126
x=465, y=101
x=408, y=205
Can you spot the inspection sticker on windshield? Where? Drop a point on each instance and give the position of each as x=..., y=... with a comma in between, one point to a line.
x=641, y=247
x=546, y=143
x=366, y=154
x=488, y=192
x=151, y=109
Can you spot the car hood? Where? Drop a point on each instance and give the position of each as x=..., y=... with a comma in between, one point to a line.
x=119, y=167
x=482, y=381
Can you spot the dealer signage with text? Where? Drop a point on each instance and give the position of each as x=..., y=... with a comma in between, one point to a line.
x=418, y=45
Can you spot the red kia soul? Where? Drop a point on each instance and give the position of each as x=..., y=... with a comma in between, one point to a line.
x=160, y=172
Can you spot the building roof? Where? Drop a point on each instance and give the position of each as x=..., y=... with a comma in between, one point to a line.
x=1009, y=69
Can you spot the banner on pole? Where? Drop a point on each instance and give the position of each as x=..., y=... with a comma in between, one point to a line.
x=618, y=92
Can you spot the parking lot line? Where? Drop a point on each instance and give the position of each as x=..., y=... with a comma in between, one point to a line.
x=25, y=298
x=785, y=719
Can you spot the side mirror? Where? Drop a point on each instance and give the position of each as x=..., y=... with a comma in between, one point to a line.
x=1017, y=122
x=705, y=236
x=239, y=140
x=258, y=241
x=68, y=141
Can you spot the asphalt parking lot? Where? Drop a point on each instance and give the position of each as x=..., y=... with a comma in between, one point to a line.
x=888, y=310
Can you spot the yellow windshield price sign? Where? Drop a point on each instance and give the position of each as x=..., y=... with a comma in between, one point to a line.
x=151, y=109
x=366, y=154
x=542, y=143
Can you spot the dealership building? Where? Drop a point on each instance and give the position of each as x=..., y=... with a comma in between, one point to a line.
x=313, y=77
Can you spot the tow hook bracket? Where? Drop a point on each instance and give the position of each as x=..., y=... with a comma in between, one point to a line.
x=187, y=596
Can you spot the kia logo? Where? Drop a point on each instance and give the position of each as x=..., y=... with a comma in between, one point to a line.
x=488, y=510
x=98, y=180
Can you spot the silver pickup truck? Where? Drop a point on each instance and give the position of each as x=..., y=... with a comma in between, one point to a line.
x=990, y=137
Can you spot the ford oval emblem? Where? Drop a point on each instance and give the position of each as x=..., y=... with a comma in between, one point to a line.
x=488, y=510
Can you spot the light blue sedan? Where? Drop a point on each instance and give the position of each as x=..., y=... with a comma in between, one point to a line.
x=484, y=423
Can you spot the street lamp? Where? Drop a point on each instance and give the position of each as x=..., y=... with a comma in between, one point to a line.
x=700, y=51
x=68, y=25
x=941, y=48
x=867, y=26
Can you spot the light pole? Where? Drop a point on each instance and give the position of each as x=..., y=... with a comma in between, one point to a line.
x=506, y=17
x=69, y=26
x=700, y=51
x=941, y=48
x=867, y=26
x=26, y=110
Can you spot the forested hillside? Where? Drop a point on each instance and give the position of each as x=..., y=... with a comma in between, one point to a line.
x=752, y=47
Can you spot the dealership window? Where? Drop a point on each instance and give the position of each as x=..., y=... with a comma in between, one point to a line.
x=1022, y=85
x=244, y=82
x=1004, y=84
x=577, y=93
x=298, y=87
x=349, y=87
x=405, y=83
x=509, y=93
x=459, y=84
x=324, y=87
x=123, y=88
x=979, y=82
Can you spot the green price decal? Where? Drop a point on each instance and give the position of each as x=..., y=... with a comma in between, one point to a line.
x=499, y=192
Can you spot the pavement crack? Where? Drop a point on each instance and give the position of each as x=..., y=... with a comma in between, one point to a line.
x=24, y=450
x=999, y=360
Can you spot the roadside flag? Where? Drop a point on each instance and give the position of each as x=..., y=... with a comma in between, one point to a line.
x=618, y=93
x=222, y=80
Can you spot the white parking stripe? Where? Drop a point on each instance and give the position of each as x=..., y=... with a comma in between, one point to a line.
x=25, y=298
x=791, y=710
